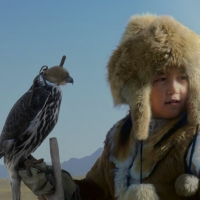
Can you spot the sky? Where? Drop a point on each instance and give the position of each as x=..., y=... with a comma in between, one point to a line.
x=37, y=33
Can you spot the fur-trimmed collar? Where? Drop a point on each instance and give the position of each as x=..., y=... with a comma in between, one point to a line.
x=125, y=156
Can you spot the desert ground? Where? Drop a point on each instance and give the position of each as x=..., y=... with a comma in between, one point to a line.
x=26, y=194
x=5, y=192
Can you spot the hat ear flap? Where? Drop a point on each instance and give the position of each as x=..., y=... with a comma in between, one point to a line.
x=139, y=99
x=193, y=102
x=114, y=79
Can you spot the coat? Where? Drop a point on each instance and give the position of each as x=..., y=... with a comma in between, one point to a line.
x=164, y=160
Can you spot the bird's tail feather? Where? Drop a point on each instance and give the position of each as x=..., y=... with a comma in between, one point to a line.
x=1, y=153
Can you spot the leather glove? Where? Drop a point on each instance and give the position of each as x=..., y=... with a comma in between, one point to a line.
x=43, y=183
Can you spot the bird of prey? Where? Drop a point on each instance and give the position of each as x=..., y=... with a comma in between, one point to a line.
x=31, y=119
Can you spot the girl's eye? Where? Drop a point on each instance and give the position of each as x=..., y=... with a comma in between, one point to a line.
x=160, y=79
x=183, y=77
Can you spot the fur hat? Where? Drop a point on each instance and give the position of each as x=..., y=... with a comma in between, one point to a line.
x=151, y=44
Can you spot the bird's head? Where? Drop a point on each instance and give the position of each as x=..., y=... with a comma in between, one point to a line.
x=57, y=74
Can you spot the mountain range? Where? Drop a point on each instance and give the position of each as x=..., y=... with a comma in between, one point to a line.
x=75, y=166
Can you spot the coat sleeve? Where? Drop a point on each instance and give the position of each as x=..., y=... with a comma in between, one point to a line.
x=99, y=181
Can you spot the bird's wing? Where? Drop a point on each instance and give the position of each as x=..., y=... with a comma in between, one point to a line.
x=22, y=114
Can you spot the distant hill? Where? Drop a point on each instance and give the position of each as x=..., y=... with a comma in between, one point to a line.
x=75, y=166
x=79, y=167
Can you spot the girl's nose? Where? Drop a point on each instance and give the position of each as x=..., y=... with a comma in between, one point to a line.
x=172, y=92
x=172, y=88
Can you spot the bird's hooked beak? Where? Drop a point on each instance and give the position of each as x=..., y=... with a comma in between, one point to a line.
x=69, y=79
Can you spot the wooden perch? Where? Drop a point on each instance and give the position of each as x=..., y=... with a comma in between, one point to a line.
x=55, y=158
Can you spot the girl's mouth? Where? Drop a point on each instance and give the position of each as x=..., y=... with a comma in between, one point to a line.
x=172, y=102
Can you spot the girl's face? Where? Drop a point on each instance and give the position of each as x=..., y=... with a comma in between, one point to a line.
x=169, y=94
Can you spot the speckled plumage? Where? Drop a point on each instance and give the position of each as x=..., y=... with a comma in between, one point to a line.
x=31, y=120
x=28, y=125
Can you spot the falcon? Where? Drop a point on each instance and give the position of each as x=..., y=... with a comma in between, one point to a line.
x=30, y=121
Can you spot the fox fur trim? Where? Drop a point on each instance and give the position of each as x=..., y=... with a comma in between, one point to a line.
x=127, y=160
x=149, y=45
x=141, y=192
x=186, y=185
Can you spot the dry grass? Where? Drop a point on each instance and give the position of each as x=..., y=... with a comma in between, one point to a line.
x=26, y=194
x=5, y=191
x=78, y=177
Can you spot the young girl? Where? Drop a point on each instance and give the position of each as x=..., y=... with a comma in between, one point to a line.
x=153, y=153
x=155, y=70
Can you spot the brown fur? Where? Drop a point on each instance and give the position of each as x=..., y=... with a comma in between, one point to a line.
x=168, y=158
x=151, y=44
x=153, y=155
x=171, y=166
x=122, y=145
